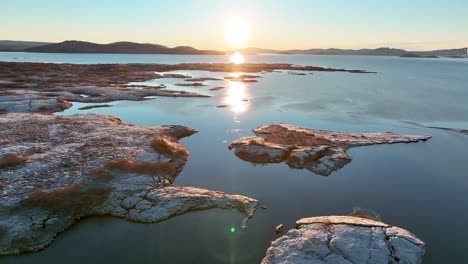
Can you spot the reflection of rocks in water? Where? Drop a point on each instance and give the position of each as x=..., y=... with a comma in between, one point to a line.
x=461, y=131
x=318, y=151
x=345, y=239
x=55, y=170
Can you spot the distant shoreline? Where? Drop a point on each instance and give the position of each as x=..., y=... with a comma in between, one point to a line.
x=123, y=47
x=409, y=56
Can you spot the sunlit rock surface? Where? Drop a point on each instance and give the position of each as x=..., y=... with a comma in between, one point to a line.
x=55, y=170
x=345, y=240
x=319, y=151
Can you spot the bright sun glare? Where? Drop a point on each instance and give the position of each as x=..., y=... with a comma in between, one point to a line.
x=236, y=31
x=237, y=58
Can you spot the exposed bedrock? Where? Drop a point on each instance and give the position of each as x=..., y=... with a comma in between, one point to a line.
x=55, y=170
x=36, y=87
x=345, y=240
x=319, y=151
x=203, y=79
x=57, y=99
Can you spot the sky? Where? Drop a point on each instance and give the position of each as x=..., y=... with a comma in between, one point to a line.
x=276, y=24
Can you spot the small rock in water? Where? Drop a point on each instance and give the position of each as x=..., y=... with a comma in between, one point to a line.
x=190, y=84
x=279, y=229
x=296, y=73
x=94, y=106
x=203, y=79
x=216, y=88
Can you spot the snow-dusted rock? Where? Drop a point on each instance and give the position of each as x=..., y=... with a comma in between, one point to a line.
x=345, y=240
x=318, y=151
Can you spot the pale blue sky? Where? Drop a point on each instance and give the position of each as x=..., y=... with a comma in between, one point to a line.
x=285, y=24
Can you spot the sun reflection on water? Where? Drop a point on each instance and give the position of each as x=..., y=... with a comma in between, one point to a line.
x=236, y=97
x=237, y=58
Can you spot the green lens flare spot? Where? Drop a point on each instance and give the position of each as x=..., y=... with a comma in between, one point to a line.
x=233, y=229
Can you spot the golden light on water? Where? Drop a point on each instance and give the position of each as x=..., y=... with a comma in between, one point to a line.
x=235, y=74
x=236, y=97
x=237, y=58
x=236, y=31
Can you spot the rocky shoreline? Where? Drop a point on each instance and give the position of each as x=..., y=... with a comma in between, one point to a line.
x=48, y=87
x=55, y=170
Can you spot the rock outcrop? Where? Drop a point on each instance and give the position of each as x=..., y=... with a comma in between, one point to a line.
x=55, y=170
x=94, y=106
x=217, y=88
x=49, y=87
x=203, y=79
x=190, y=84
x=243, y=78
x=345, y=240
x=319, y=151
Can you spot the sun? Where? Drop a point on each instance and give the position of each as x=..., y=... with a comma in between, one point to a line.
x=236, y=31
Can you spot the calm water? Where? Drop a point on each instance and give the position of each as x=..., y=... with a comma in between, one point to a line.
x=421, y=187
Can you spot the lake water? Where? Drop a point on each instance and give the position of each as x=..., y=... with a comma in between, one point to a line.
x=419, y=186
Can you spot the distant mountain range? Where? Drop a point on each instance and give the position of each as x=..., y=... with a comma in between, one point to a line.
x=12, y=45
x=73, y=46
x=368, y=52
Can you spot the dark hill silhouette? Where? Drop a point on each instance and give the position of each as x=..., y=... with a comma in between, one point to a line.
x=73, y=46
x=369, y=52
x=14, y=45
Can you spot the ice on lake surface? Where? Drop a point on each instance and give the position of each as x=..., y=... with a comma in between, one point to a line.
x=420, y=187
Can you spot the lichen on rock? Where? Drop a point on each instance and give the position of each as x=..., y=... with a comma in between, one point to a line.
x=58, y=169
x=345, y=240
x=319, y=151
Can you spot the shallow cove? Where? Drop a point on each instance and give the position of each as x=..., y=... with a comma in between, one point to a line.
x=420, y=187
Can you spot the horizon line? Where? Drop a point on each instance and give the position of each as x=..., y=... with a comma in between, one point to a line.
x=249, y=47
